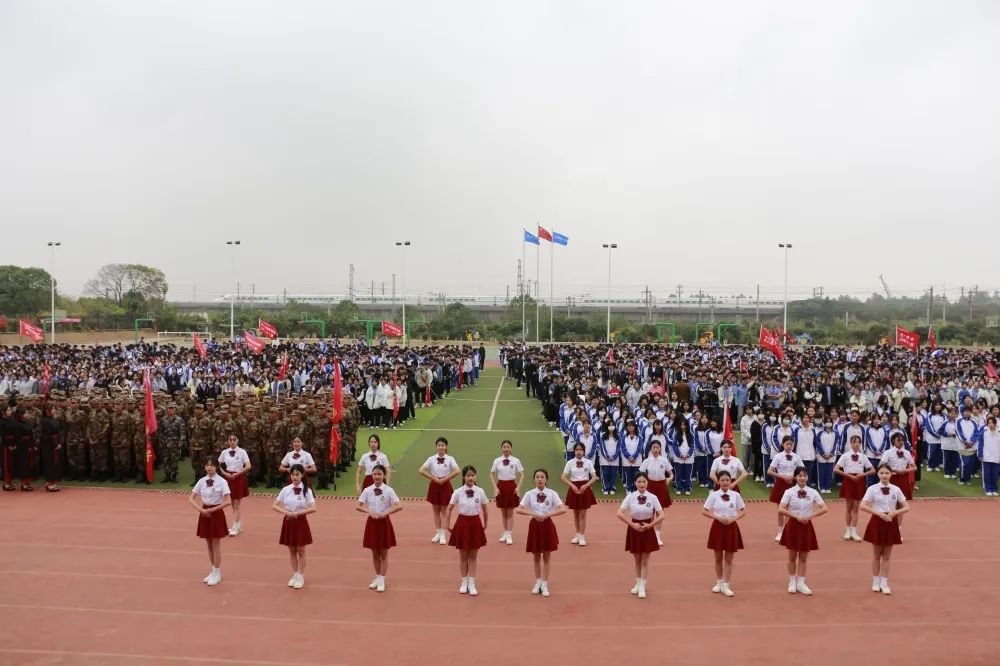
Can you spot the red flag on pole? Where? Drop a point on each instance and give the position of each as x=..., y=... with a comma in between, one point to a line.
x=283, y=370
x=337, y=413
x=914, y=435
x=150, y=413
x=30, y=331
x=254, y=344
x=266, y=329
x=931, y=338
x=991, y=371
x=611, y=355
x=392, y=330
x=45, y=380
x=908, y=339
x=770, y=342
x=544, y=234
x=198, y=345
x=727, y=427
x=395, y=399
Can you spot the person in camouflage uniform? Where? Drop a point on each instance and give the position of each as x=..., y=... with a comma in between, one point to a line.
x=121, y=439
x=277, y=442
x=173, y=436
x=137, y=443
x=221, y=430
x=320, y=425
x=77, y=417
x=98, y=431
x=200, y=436
x=250, y=440
x=349, y=431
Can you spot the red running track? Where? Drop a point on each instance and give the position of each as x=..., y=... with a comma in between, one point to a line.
x=114, y=577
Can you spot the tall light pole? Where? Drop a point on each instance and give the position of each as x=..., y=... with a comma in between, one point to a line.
x=609, y=246
x=232, y=302
x=52, y=280
x=402, y=245
x=786, y=247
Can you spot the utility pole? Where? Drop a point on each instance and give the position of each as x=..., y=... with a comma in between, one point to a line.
x=758, y=303
x=701, y=295
x=383, y=287
x=972, y=291
x=394, y=289
x=679, y=290
x=930, y=304
x=373, y=291
x=350, y=284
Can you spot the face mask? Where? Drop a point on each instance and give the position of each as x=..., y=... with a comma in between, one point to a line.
x=772, y=419
x=786, y=422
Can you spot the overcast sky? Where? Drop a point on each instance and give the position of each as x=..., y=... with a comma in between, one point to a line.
x=696, y=135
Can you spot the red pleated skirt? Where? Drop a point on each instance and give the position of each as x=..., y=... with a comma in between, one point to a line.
x=212, y=526
x=905, y=483
x=661, y=491
x=542, y=537
x=726, y=538
x=798, y=537
x=779, y=488
x=439, y=494
x=295, y=532
x=853, y=490
x=641, y=542
x=881, y=533
x=580, y=501
x=507, y=496
x=468, y=533
x=379, y=534
x=368, y=481
x=238, y=488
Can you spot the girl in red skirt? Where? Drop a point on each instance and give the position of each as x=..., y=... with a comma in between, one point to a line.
x=659, y=473
x=440, y=469
x=297, y=457
x=782, y=469
x=853, y=467
x=730, y=463
x=900, y=461
x=379, y=501
x=468, y=534
x=579, y=475
x=295, y=502
x=507, y=475
x=642, y=512
x=212, y=493
x=885, y=502
x=235, y=465
x=542, y=504
x=724, y=506
x=367, y=462
x=800, y=504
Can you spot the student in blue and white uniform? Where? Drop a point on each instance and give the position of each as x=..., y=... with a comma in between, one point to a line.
x=702, y=452
x=768, y=447
x=608, y=457
x=714, y=438
x=989, y=455
x=579, y=475
x=567, y=417
x=933, y=428
x=876, y=443
x=967, y=434
x=682, y=450
x=827, y=445
x=585, y=435
x=632, y=448
x=949, y=444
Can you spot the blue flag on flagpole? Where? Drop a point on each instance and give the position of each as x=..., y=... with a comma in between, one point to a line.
x=530, y=238
x=559, y=239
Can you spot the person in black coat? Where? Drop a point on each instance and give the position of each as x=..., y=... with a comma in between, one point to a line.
x=8, y=442
x=24, y=462
x=50, y=448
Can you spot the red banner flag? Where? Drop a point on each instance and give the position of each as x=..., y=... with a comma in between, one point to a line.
x=336, y=413
x=30, y=331
x=392, y=330
x=283, y=370
x=770, y=342
x=727, y=427
x=611, y=355
x=908, y=339
x=991, y=371
x=199, y=347
x=150, y=414
x=3, y=323
x=267, y=329
x=45, y=379
x=458, y=369
x=254, y=344
x=931, y=338
x=395, y=399
x=544, y=234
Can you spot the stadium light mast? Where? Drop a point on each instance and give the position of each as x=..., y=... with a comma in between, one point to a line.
x=609, y=247
x=786, y=247
x=52, y=288
x=232, y=303
x=402, y=245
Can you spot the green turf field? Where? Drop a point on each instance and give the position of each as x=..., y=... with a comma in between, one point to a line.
x=475, y=420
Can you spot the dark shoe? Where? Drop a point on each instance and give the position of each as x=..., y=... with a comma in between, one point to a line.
x=166, y=479
x=9, y=489
x=26, y=489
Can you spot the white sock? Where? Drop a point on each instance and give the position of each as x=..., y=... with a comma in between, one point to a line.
x=472, y=580
x=884, y=581
x=721, y=581
x=876, y=580
x=802, y=579
x=465, y=579
x=793, y=580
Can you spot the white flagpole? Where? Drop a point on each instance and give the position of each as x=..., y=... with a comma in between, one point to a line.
x=552, y=251
x=524, y=272
x=538, y=276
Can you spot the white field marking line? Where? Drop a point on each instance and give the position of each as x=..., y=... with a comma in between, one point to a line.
x=151, y=657
x=437, y=562
x=551, y=430
x=493, y=412
x=502, y=590
x=488, y=400
x=491, y=626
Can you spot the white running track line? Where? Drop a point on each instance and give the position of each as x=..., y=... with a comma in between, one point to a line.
x=133, y=657
x=493, y=412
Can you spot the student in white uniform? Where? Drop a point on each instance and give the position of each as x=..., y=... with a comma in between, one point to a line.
x=367, y=462
x=989, y=455
x=297, y=457
x=234, y=466
x=541, y=504
x=642, y=512
x=212, y=493
x=659, y=473
x=295, y=502
x=507, y=475
x=468, y=533
x=730, y=463
x=440, y=469
x=379, y=501
x=724, y=507
x=782, y=468
x=885, y=502
x=801, y=505
x=852, y=468
x=901, y=462
x=579, y=476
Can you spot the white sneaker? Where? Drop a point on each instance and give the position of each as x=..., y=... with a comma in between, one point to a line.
x=464, y=587
x=635, y=588
x=847, y=534
x=510, y=539
x=537, y=588
x=208, y=577
x=503, y=538
x=727, y=591
x=233, y=531
x=855, y=536
x=437, y=537
x=792, y=587
x=642, y=590
x=444, y=539
x=373, y=584
x=659, y=540
x=545, y=589
x=300, y=580
x=238, y=527
x=802, y=588
x=472, y=588
x=582, y=541
x=291, y=581
x=717, y=588
x=885, y=589
x=575, y=540
x=381, y=585
x=876, y=587
x=215, y=578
